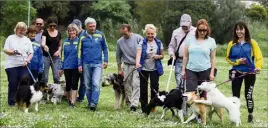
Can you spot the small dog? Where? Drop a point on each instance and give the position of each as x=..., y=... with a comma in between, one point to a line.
x=28, y=94
x=171, y=100
x=117, y=81
x=216, y=99
x=200, y=109
x=57, y=92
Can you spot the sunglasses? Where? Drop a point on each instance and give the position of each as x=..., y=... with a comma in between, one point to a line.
x=52, y=26
x=202, y=30
x=184, y=27
x=38, y=24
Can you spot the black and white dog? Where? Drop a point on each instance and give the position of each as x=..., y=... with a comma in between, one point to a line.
x=171, y=100
x=28, y=94
x=117, y=81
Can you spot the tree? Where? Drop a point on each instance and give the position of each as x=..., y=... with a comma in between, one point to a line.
x=13, y=12
x=256, y=12
x=226, y=15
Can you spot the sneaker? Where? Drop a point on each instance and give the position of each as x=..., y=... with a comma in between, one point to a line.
x=78, y=100
x=133, y=108
x=92, y=108
x=72, y=105
x=250, y=118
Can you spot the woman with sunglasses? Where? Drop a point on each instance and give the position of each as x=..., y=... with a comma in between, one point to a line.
x=241, y=53
x=199, y=58
x=148, y=63
x=51, y=43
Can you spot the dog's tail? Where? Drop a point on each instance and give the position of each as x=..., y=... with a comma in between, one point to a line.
x=235, y=100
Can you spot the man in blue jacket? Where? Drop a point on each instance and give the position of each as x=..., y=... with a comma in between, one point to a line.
x=91, y=46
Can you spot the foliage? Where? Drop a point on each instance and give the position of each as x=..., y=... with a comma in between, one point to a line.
x=257, y=12
x=13, y=12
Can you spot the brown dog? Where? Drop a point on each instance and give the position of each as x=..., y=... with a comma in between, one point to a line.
x=200, y=109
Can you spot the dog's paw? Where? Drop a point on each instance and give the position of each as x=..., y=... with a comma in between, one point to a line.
x=36, y=109
x=185, y=122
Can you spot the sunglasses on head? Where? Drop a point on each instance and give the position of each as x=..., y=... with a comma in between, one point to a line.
x=38, y=24
x=202, y=30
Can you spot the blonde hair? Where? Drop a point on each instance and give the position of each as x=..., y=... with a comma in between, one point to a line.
x=149, y=26
x=72, y=26
x=20, y=25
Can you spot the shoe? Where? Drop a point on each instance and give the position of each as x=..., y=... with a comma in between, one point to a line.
x=78, y=100
x=92, y=108
x=250, y=118
x=72, y=105
x=133, y=108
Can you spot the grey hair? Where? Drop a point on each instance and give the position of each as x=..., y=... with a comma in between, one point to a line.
x=90, y=20
x=149, y=26
x=73, y=26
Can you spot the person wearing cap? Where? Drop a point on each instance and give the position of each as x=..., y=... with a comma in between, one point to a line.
x=177, y=44
x=51, y=43
x=82, y=87
x=126, y=52
x=92, y=46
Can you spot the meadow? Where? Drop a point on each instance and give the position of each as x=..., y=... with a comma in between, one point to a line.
x=61, y=115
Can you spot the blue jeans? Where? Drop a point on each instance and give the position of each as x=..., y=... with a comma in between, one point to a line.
x=82, y=89
x=92, y=77
x=178, y=69
x=13, y=76
x=55, y=70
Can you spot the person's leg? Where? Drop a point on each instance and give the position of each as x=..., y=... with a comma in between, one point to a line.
x=135, y=84
x=87, y=79
x=191, y=80
x=82, y=89
x=55, y=69
x=154, y=80
x=236, y=85
x=249, y=86
x=203, y=76
x=47, y=63
x=127, y=84
x=68, y=80
x=144, y=89
x=75, y=79
x=178, y=69
x=13, y=81
x=96, y=79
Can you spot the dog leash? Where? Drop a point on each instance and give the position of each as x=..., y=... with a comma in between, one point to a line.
x=132, y=73
x=53, y=63
x=31, y=74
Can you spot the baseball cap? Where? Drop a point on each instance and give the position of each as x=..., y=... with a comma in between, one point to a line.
x=77, y=22
x=185, y=20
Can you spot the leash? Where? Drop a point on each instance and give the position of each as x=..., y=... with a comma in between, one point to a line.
x=53, y=63
x=31, y=74
x=170, y=73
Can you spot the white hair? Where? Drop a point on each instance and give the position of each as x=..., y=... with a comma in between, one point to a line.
x=90, y=20
x=72, y=26
x=20, y=25
x=149, y=26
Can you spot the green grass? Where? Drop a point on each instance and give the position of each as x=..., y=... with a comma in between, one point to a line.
x=61, y=115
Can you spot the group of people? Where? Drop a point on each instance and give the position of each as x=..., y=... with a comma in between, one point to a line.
x=84, y=54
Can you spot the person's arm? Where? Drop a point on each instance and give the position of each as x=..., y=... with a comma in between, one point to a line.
x=105, y=51
x=43, y=42
x=185, y=58
x=138, y=58
x=7, y=50
x=118, y=58
x=257, y=54
x=58, y=52
x=229, y=59
x=79, y=53
x=213, y=62
x=40, y=56
x=172, y=45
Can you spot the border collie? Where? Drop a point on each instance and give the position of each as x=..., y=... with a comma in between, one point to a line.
x=28, y=94
x=117, y=81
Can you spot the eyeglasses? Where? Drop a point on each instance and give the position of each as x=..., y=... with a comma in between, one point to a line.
x=52, y=26
x=38, y=24
x=202, y=30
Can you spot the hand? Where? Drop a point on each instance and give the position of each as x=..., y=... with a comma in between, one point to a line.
x=138, y=66
x=257, y=70
x=80, y=69
x=242, y=60
x=183, y=75
x=156, y=57
x=25, y=63
x=172, y=56
x=211, y=77
x=61, y=73
x=120, y=72
x=105, y=65
x=16, y=52
x=57, y=53
x=46, y=48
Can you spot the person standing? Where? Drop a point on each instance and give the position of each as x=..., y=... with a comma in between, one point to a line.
x=36, y=63
x=51, y=43
x=148, y=63
x=69, y=63
x=126, y=52
x=177, y=45
x=244, y=54
x=92, y=44
x=39, y=25
x=19, y=51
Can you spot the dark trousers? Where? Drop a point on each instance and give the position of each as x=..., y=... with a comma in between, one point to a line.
x=82, y=89
x=13, y=76
x=193, y=79
x=71, y=78
x=154, y=84
x=37, y=76
x=249, y=85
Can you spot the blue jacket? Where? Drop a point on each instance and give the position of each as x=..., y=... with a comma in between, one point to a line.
x=250, y=51
x=69, y=54
x=37, y=60
x=158, y=63
x=90, y=48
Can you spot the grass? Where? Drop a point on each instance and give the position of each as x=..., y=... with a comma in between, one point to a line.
x=61, y=115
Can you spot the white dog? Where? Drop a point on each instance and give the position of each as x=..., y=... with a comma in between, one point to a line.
x=218, y=100
x=57, y=93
